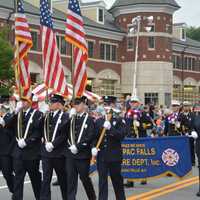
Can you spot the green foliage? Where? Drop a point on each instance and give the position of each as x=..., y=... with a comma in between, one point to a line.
x=6, y=58
x=194, y=33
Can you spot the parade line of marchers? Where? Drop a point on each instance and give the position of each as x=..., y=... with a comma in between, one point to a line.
x=125, y=139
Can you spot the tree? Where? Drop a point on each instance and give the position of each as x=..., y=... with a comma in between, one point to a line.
x=194, y=33
x=6, y=58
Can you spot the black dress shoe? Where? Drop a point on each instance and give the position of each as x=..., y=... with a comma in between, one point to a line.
x=55, y=183
x=198, y=194
x=129, y=184
x=143, y=182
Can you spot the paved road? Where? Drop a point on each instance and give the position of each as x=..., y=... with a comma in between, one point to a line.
x=187, y=193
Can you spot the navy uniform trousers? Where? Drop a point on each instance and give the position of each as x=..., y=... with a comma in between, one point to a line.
x=7, y=171
x=20, y=169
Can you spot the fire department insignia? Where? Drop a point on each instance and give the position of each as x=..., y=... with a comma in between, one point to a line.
x=170, y=157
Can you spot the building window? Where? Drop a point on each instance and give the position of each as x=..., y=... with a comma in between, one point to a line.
x=58, y=41
x=108, y=52
x=151, y=42
x=189, y=63
x=33, y=77
x=152, y=28
x=194, y=64
x=100, y=15
x=185, y=67
x=169, y=28
x=108, y=55
x=108, y=87
x=183, y=34
x=151, y=98
x=114, y=53
x=130, y=43
x=63, y=49
x=178, y=62
x=90, y=49
x=174, y=61
x=102, y=51
x=62, y=45
x=34, y=35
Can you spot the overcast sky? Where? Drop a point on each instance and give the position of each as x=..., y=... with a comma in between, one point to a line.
x=189, y=13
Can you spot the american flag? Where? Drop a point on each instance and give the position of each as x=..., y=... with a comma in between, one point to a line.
x=54, y=76
x=75, y=34
x=24, y=40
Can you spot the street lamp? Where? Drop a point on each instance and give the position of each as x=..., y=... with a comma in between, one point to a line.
x=135, y=29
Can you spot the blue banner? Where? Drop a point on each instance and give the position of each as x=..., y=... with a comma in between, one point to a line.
x=147, y=158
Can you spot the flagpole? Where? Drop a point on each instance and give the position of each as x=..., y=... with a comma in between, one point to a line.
x=17, y=77
x=47, y=92
x=73, y=93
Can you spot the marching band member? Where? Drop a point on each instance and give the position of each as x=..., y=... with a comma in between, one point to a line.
x=52, y=151
x=109, y=153
x=80, y=130
x=26, y=123
x=6, y=140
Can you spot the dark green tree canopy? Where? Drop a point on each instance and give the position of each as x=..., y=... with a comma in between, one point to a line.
x=194, y=33
x=6, y=58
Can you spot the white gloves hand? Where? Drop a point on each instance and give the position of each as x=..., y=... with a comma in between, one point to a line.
x=178, y=124
x=72, y=112
x=44, y=108
x=2, y=122
x=136, y=123
x=94, y=151
x=73, y=149
x=49, y=147
x=194, y=135
x=21, y=143
x=107, y=125
x=19, y=106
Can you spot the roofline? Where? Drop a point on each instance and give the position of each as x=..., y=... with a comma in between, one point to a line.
x=131, y=4
x=186, y=45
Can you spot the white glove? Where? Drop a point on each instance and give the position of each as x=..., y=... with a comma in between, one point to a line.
x=21, y=143
x=44, y=108
x=107, y=125
x=194, y=135
x=94, y=151
x=137, y=123
x=2, y=122
x=73, y=149
x=49, y=147
x=19, y=106
x=72, y=112
x=178, y=124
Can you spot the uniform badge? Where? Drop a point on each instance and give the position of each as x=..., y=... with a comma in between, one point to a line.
x=86, y=126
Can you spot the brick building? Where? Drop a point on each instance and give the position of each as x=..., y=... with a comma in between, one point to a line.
x=168, y=61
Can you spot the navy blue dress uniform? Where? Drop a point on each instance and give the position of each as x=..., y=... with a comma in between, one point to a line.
x=78, y=155
x=109, y=157
x=186, y=129
x=52, y=151
x=6, y=141
x=195, y=125
x=26, y=151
